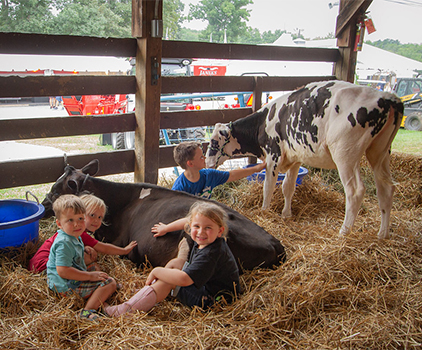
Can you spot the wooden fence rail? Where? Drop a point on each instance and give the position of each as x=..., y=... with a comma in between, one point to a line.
x=28, y=172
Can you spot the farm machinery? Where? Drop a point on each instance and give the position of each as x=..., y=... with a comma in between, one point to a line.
x=410, y=92
x=97, y=105
x=118, y=104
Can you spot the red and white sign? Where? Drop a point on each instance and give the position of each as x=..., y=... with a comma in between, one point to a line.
x=209, y=70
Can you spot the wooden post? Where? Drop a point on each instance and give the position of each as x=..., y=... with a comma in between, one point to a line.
x=145, y=14
x=349, y=15
x=257, y=94
x=257, y=103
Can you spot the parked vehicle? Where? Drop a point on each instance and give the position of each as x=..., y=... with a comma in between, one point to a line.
x=410, y=92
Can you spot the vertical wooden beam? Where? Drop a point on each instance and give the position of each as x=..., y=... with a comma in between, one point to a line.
x=147, y=98
x=137, y=26
x=350, y=11
x=257, y=103
x=345, y=67
x=257, y=94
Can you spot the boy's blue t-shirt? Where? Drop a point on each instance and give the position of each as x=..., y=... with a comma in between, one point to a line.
x=65, y=251
x=209, y=178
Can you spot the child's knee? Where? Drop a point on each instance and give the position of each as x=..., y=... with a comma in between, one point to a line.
x=176, y=263
x=112, y=285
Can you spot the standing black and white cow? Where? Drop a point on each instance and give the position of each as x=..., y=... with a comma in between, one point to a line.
x=326, y=125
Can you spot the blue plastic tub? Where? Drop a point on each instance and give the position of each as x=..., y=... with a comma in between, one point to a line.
x=259, y=177
x=19, y=221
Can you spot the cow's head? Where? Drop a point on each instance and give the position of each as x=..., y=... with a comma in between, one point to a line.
x=71, y=182
x=221, y=145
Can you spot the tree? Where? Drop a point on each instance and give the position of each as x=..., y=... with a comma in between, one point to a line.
x=81, y=17
x=413, y=51
x=186, y=34
x=90, y=18
x=172, y=18
x=254, y=37
x=223, y=16
x=250, y=36
x=30, y=16
x=269, y=37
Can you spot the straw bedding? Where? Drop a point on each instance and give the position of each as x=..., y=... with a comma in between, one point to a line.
x=332, y=293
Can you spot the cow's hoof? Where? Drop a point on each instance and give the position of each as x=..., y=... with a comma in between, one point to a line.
x=344, y=231
x=286, y=214
x=383, y=235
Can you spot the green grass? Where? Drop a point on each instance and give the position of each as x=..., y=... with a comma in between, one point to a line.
x=38, y=191
x=408, y=141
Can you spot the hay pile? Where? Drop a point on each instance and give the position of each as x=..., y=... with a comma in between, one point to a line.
x=332, y=293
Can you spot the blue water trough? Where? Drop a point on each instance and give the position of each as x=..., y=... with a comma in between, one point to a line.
x=19, y=221
x=259, y=177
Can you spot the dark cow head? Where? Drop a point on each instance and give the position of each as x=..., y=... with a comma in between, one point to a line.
x=71, y=182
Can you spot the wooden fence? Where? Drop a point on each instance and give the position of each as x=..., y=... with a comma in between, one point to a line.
x=147, y=157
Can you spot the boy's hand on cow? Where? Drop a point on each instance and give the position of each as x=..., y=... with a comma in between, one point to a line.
x=259, y=167
x=90, y=255
x=98, y=276
x=159, y=229
x=130, y=246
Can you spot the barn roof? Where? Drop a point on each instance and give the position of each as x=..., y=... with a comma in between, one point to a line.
x=373, y=59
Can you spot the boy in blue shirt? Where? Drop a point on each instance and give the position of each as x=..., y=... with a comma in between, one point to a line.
x=198, y=180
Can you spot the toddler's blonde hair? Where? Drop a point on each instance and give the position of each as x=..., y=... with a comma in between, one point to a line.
x=68, y=201
x=211, y=211
x=92, y=203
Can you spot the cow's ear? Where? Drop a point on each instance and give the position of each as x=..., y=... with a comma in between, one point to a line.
x=92, y=167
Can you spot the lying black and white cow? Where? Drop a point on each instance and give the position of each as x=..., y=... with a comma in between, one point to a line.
x=134, y=208
x=325, y=125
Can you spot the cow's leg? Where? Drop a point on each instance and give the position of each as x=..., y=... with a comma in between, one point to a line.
x=385, y=188
x=349, y=171
x=289, y=186
x=269, y=183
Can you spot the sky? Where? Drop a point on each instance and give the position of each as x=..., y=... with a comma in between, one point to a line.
x=393, y=19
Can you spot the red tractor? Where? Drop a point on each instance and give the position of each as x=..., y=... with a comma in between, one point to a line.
x=95, y=104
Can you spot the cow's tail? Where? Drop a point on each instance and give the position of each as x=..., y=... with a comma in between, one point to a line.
x=395, y=116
